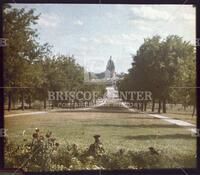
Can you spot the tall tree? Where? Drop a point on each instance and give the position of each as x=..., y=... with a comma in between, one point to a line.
x=22, y=51
x=159, y=65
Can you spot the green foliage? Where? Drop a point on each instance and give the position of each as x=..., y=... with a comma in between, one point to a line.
x=30, y=67
x=23, y=53
x=43, y=153
x=160, y=65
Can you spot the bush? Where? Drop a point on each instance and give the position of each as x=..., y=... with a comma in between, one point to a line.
x=43, y=153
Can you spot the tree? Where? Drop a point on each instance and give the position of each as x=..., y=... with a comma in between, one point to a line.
x=158, y=66
x=22, y=52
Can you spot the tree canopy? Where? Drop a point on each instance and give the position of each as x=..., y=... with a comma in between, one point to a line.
x=30, y=69
x=163, y=67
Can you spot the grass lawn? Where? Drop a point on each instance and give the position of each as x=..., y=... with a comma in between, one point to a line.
x=118, y=130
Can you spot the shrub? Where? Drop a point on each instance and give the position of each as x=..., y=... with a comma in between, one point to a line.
x=43, y=153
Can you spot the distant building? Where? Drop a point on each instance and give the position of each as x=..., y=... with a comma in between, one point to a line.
x=109, y=76
x=110, y=69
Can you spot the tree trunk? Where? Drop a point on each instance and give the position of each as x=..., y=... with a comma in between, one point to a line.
x=9, y=101
x=22, y=100
x=153, y=105
x=29, y=102
x=142, y=106
x=14, y=104
x=73, y=105
x=159, y=106
x=184, y=106
x=164, y=105
x=145, y=106
x=194, y=109
x=45, y=103
x=132, y=104
x=171, y=105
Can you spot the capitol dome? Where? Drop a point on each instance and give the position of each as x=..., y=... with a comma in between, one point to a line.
x=110, y=69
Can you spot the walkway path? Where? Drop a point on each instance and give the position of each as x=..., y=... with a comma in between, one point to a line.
x=26, y=113
x=190, y=127
x=176, y=122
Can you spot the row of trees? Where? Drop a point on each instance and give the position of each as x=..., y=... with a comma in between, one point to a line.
x=30, y=69
x=167, y=68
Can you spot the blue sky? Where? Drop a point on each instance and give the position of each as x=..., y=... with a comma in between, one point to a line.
x=93, y=33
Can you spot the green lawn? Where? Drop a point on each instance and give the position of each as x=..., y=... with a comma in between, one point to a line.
x=118, y=130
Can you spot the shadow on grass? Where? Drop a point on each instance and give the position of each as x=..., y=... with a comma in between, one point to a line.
x=96, y=111
x=138, y=125
x=140, y=117
x=180, y=113
x=168, y=136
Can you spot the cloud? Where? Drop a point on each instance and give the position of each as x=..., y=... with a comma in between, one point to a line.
x=121, y=39
x=98, y=40
x=129, y=37
x=84, y=39
x=49, y=20
x=104, y=40
x=144, y=25
x=109, y=15
x=78, y=23
x=150, y=13
x=188, y=16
